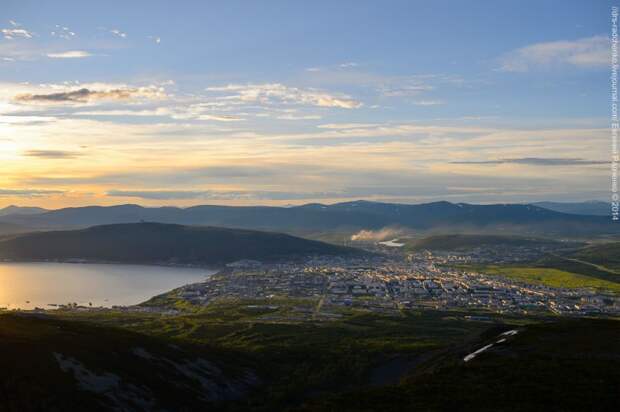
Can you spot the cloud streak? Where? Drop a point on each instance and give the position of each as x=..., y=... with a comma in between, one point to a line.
x=85, y=95
x=51, y=154
x=71, y=54
x=16, y=33
x=537, y=161
x=275, y=93
x=29, y=192
x=582, y=53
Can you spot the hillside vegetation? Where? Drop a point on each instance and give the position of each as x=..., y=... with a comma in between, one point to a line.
x=467, y=241
x=49, y=364
x=156, y=242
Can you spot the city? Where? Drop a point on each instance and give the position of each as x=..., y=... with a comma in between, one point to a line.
x=389, y=286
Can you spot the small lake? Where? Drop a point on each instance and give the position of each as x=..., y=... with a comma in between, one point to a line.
x=29, y=285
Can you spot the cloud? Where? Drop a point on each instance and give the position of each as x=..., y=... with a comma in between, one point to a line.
x=118, y=33
x=51, y=154
x=29, y=192
x=339, y=126
x=156, y=39
x=71, y=54
x=404, y=90
x=220, y=118
x=582, y=53
x=16, y=33
x=63, y=32
x=84, y=95
x=298, y=117
x=538, y=161
x=160, y=194
x=218, y=195
x=428, y=102
x=160, y=111
x=277, y=93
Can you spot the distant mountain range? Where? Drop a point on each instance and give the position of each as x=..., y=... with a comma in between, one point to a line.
x=21, y=210
x=163, y=243
x=437, y=216
x=592, y=207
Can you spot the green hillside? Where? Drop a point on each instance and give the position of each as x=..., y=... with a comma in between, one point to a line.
x=466, y=241
x=607, y=255
x=156, y=242
x=231, y=358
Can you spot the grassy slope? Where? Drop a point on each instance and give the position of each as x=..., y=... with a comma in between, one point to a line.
x=320, y=365
x=607, y=255
x=464, y=242
x=307, y=359
x=549, y=276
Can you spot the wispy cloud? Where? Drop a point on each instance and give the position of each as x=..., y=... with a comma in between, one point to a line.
x=220, y=118
x=277, y=93
x=29, y=192
x=220, y=195
x=538, y=161
x=118, y=33
x=71, y=54
x=586, y=52
x=428, y=102
x=404, y=90
x=51, y=154
x=85, y=95
x=16, y=33
x=298, y=117
x=63, y=32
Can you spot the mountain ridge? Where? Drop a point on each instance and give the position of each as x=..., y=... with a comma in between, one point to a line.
x=353, y=215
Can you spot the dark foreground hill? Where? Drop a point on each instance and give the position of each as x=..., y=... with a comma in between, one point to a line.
x=567, y=365
x=437, y=216
x=163, y=243
x=214, y=361
x=51, y=365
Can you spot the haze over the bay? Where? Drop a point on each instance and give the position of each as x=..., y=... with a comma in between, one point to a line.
x=154, y=103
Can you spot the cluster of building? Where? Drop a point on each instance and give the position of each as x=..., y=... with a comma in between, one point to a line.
x=495, y=254
x=390, y=285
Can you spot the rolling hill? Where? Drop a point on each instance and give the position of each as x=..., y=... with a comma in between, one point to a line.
x=163, y=243
x=352, y=216
x=466, y=241
x=607, y=255
x=593, y=207
x=21, y=210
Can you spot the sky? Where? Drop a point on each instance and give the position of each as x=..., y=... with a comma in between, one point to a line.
x=290, y=102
